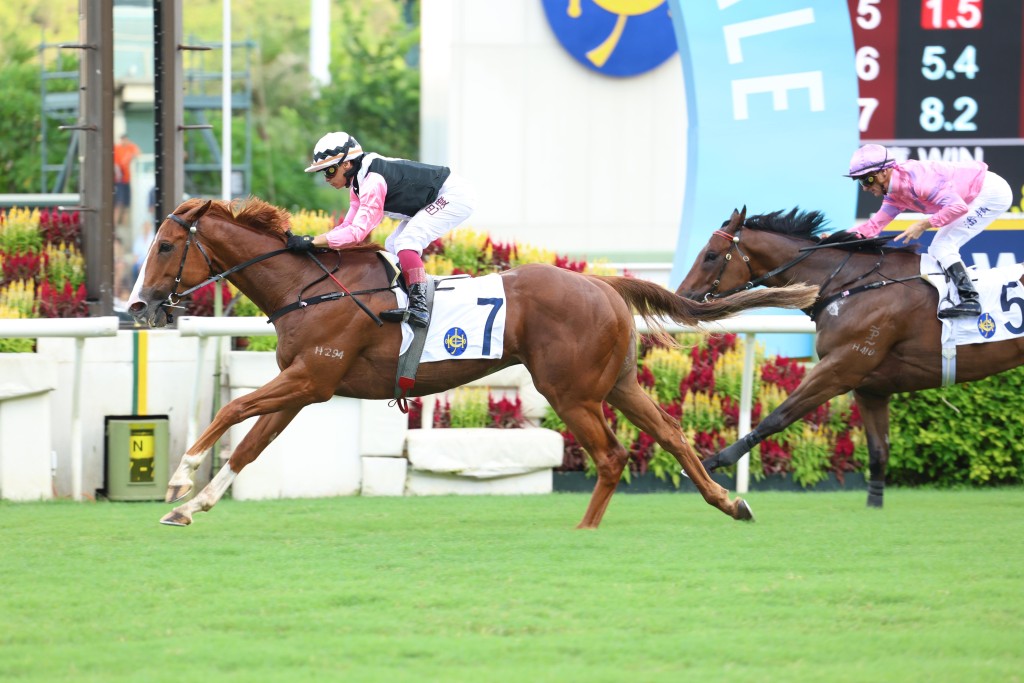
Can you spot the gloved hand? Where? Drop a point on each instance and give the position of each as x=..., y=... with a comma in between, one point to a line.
x=842, y=236
x=299, y=243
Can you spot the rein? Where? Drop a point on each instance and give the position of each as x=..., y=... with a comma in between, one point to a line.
x=820, y=304
x=174, y=298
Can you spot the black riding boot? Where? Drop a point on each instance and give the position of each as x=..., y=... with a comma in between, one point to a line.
x=416, y=314
x=969, y=304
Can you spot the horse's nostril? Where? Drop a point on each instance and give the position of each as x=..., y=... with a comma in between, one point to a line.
x=137, y=307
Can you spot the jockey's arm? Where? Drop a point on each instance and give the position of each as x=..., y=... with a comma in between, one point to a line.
x=365, y=213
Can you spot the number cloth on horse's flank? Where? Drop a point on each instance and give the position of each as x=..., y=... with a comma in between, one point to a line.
x=1002, y=303
x=467, y=321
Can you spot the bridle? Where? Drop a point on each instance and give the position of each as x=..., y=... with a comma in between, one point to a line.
x=174, y=298
x=734, y=244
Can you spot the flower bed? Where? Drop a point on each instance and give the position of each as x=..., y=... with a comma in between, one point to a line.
x=42, y=271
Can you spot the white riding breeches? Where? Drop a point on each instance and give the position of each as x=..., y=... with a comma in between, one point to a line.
x=991, y=202
x=454, y=204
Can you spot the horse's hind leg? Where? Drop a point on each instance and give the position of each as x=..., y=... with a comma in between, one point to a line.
x=874, y=413
x=587, y=423
x=643, y=412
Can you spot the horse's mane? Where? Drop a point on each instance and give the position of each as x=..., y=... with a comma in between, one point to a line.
x=804, y=224
x=796, y=223
x=253, y=212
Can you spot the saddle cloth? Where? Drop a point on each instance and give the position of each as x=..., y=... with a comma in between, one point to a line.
x=1002, y=303
x=467, y=321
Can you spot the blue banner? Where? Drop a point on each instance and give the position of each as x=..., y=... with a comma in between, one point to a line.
x=771, y=97
x=771, y=100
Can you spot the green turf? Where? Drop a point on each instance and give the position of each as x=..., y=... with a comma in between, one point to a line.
x=504, y=589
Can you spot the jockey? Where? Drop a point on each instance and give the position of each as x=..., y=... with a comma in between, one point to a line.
x=429, y=201
x=961, y=198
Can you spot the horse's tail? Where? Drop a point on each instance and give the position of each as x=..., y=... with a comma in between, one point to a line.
x=652, y=301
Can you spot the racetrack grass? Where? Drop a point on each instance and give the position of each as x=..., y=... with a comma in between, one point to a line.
x=504, y=589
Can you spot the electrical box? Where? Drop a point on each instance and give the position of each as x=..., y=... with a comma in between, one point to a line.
x=135, y=458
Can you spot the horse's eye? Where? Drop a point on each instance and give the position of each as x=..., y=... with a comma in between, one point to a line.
x=710, y=257
x=165, y=247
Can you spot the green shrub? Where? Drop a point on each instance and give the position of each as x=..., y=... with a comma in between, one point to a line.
x=965, y=434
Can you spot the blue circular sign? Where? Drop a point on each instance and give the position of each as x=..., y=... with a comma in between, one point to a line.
x=614, y=37
x=455, y=341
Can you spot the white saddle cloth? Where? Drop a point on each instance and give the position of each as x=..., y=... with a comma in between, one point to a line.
x=1002, y=303
x=467, y=322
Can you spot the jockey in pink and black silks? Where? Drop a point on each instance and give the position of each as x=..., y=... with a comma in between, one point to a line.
x=960, y=198
x=428, y=201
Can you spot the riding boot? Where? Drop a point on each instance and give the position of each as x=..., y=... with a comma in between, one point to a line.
x=415, y=313
x=969, y=304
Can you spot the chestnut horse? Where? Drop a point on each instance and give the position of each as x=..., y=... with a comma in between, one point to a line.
x=575, y=333
x=877, y=330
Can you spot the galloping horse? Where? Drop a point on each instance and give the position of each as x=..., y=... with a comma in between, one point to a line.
x=574, y=333
x=877, y=330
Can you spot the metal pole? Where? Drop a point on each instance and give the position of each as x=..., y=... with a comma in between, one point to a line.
x=746, y=407
x=168, y=111
x=225, y=113
x=96, y=145
x=76, y=422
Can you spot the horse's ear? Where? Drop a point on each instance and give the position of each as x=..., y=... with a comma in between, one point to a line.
x=197, y=213
x=736, y=220
x=743, y=214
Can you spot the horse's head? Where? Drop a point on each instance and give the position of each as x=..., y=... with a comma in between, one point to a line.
x=720, y=265
x=175, y=262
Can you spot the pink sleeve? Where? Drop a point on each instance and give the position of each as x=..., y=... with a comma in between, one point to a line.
x=365, y=212
x=883, y=217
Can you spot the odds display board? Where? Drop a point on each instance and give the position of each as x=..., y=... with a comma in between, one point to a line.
x=780, y=94
x=942, y=79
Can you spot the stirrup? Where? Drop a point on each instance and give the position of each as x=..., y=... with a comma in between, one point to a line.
x=964, y=309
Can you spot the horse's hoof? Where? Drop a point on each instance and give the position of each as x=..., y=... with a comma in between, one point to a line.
x=743, y=511
x=176, y=492
x=176, y=518
x=874, y=501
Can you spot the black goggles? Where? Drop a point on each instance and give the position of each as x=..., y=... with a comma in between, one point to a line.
x=864, y=180
x=330, y=171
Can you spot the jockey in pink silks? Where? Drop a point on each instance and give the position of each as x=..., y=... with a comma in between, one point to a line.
x=961, y=198
x=429, y=201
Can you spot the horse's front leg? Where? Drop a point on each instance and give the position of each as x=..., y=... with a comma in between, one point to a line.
x=823, y=382
x=265, y=430
x=874, y=412
x=289, y=391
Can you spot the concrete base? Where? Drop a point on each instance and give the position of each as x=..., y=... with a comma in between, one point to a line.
x=436, y=484
x=384, y=476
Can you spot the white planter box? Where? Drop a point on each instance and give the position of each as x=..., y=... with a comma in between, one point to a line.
x=26, y=381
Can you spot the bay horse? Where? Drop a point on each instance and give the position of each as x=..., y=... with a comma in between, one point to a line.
x=875, y=317
x=575, y=334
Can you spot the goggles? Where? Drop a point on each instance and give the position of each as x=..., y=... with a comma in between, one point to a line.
x=865, y=181
x=330, y=171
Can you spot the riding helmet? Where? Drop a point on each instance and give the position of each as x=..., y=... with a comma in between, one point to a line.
x=334, y=148
x=869, y=159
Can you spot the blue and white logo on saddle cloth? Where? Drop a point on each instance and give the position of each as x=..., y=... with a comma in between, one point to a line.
x=467, y=321
x=1002, y=303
